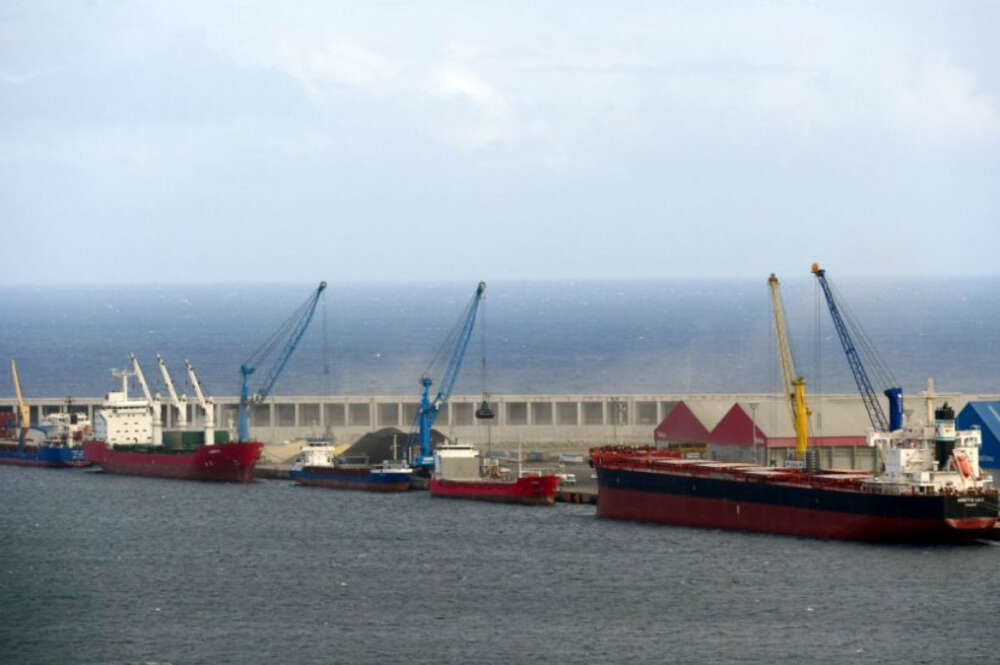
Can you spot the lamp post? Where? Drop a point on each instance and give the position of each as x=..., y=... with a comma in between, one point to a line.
x=753, y=430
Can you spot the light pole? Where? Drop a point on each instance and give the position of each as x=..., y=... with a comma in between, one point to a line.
x=753, y=430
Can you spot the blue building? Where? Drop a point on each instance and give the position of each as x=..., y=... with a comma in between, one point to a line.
x=986, y=416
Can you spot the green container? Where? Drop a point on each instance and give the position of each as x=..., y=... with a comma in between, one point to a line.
x=222, y=436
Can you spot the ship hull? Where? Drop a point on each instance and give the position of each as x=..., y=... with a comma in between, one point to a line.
x=528, y=490
x=351, y=479
x=683, y=500
x=227, y=462
x=51, y=456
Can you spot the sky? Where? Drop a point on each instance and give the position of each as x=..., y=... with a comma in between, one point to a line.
x=426, y=141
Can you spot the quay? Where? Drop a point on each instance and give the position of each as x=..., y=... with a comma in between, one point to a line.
x=554, y=423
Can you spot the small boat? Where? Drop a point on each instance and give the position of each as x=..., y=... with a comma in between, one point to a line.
x=317, y=467
x=459, y=472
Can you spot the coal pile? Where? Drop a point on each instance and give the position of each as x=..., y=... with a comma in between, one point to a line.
x=377, y=445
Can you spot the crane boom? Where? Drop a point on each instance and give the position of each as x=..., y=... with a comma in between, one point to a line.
x=288, y=336
x=179, y=403
x=153, y=402
x=429, y=408
x=795, y=385
x=895, y=394
x=24, y=411
x=208, y=404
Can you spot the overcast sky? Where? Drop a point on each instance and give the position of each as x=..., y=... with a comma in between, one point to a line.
x=246, y=141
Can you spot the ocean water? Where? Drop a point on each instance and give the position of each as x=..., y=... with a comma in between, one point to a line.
x=99, y=569
x=560, y=337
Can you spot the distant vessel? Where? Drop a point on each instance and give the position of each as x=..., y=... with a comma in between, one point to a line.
x=56, y=441
x=931, y=490
x=459, y=473
x=130, y=440
x=316, y=467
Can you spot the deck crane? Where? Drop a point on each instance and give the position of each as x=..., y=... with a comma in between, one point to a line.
x=155, y=406
x=795, y=385
x=895, y=393
x=287, y=336
x=207, y=403
x=179, y=403
x=457, y=342
x=23, y=410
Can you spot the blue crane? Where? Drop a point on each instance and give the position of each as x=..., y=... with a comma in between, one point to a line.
x=287, y=337
x=457, y=342
x=894, y=393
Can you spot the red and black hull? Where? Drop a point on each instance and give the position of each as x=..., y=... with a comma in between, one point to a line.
x=789, y=509
x=528, y=490
x=228, y=462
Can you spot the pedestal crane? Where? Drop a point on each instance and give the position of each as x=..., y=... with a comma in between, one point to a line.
x=179, y=403
x=453, y=351
x=286, y=338
x=155, y=406
x=795, y=385
x=23, y=410
x=895, y=393
x=207, y=404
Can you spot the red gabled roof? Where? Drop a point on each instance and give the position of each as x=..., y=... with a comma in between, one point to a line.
x=681, y=426
x=735, y=429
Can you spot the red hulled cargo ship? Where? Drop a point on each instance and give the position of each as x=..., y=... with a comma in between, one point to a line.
x=931, y=490
x=233, y=462
x=130, y=439
x=459, y=474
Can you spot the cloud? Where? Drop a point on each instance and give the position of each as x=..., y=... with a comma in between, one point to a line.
x=937, y=98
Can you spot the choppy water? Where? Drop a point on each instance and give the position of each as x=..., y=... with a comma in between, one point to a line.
x=632, y=337
x=103, y=569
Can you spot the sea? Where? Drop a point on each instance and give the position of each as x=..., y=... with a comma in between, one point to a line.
x=530, y=337
x=103, y=569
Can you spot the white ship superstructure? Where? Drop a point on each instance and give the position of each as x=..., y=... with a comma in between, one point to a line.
x=934, y=458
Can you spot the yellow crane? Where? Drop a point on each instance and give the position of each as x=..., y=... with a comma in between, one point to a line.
x=795, y=385
x=23, y=410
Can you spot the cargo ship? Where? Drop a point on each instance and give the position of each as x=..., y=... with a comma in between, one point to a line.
x=55, y=441
x=315, y=466
x=930, y=490
x=460, y=473
x=129, y=439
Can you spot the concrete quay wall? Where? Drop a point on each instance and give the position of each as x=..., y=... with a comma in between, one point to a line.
x=550, y=421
